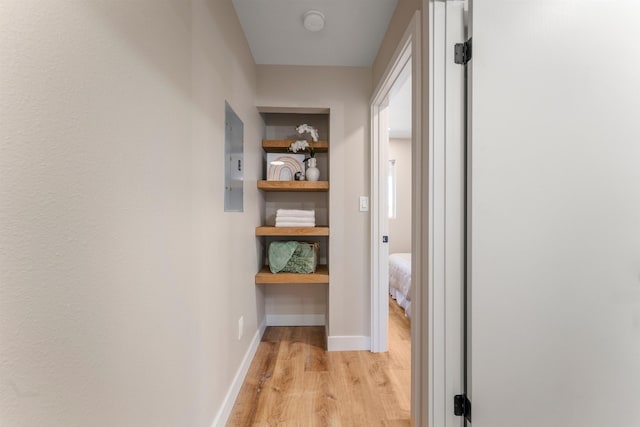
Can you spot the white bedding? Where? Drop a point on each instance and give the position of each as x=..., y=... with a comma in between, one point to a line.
x=400, y=280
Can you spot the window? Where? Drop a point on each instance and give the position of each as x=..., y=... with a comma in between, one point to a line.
x=391, y=189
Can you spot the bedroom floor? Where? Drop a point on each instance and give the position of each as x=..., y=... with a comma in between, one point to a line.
x=293, y=381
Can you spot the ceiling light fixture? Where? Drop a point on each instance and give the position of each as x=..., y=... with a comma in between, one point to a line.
x=313, y=20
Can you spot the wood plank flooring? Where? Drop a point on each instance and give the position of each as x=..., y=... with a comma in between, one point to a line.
x=293, y=381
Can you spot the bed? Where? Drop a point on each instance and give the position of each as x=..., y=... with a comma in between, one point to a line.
x=400, y=280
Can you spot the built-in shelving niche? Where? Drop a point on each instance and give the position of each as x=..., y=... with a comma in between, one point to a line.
x=283, y=289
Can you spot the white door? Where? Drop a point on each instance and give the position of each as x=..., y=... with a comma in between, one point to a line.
x=555, y=214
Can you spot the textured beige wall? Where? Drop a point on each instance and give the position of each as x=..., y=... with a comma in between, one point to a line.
x=397, y=26
x=400, y=227
x=346, y=91
x=121, y=278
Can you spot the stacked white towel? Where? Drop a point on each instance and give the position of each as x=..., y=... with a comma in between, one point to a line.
x=295, y=218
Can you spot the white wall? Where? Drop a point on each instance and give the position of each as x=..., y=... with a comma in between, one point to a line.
x=346, y=91
x=121, y=279
x=397, y=26
x=400, y=227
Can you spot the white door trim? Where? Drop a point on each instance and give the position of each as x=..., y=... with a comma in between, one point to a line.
x=436, y=245
x=438, y=262
x=408, y=50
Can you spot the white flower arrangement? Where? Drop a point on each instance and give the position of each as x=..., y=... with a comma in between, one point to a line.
x=303, y=144
x=300, y=145
x=305, y=128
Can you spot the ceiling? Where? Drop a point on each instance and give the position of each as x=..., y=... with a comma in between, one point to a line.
x=399, y=118
x=351, y=36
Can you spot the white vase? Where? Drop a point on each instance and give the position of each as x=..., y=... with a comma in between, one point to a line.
x=312, y=173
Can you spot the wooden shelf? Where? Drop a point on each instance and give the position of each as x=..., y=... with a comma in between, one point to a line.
x=292, y=231
x=266, y=277
x=293, y=185
x=282, y=145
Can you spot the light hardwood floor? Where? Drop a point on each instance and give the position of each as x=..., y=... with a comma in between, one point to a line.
x=293, y=381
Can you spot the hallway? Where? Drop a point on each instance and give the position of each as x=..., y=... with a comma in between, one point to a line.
x=128, y=293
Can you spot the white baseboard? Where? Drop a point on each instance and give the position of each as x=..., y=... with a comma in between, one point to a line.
x=295, y=320
x=348, y=343
x=230, y=398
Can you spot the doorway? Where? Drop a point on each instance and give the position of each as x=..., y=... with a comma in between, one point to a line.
x=404, y=66
x=398, y=77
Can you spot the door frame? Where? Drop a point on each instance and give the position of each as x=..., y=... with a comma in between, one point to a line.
x=445, y=178
x=436, y=247
x=407, y=50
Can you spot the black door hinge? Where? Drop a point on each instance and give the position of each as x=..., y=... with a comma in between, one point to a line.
x=462, y=406
x=462, y=52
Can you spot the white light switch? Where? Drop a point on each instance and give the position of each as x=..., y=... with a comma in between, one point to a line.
x=364, y=203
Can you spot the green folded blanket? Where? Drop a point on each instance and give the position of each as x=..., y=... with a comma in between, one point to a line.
x=293, y=257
